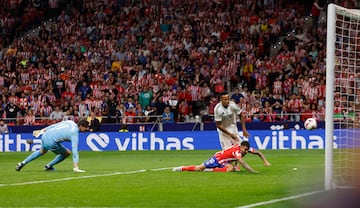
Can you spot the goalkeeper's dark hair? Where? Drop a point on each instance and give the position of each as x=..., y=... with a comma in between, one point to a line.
x=83, y=122
x=245, y=143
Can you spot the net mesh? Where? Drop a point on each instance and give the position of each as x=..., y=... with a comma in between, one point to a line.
x=347, y=97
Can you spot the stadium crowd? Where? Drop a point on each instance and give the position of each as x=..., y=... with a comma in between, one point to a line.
x=126, y=61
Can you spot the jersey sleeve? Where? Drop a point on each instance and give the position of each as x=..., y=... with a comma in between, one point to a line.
x=217, y=113
x=74, y=146
x=235, y=108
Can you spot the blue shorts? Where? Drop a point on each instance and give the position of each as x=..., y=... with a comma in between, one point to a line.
x=212, y=162
x=55, y=148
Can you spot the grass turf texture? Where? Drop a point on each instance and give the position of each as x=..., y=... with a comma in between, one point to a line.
x=158, y=188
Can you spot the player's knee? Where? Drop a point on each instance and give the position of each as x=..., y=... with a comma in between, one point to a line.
x=199, y=168
x=67, y=153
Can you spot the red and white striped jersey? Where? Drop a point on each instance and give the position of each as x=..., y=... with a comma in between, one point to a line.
x=45, y=111
x=195, y=92
x=294, y=105
x=312, y=93
x=228, y=155
x=29, y=120
x=23, y=103
x=278, y=87
x=36, y=106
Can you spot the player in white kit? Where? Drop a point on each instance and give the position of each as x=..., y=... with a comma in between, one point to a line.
x=226, y=113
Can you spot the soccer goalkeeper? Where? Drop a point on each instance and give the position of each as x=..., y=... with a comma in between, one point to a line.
x=51, y=139
x=221, y=161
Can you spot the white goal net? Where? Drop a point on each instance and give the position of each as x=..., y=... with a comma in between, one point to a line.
x=342, y=158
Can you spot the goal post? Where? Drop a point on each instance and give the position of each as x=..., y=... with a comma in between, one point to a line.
x=342, y=119
x=329, y=102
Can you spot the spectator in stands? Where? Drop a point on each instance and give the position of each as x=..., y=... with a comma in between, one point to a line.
x=84, y=110
x=236, y=96
x=184, y=111
x=140, y=117
x=174, y=106
x=315, y=13
x=45, y=110
x=130, y=115
x=145, y=97
x=29, y=117
x=153, y=115
x=3, y=127
x=12, y=111
x=56, y=115
x=160, y=105
x=167, y=116
x=111, y=109
x=94, y=122
x=84, y=90
x=180, y=56
x=69, y=115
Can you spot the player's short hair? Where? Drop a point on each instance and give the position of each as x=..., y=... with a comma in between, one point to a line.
x=223, y=93
x=246, y=144
x=83, y=122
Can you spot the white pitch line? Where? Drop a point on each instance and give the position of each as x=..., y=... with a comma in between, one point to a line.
x=159, y=169
x=282, y=199
x=72, y=178
x=81, y=177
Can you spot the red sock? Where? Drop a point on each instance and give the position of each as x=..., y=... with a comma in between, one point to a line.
x=188, y=168
x=224, y=169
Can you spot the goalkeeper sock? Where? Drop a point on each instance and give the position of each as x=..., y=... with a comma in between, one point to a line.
x=33, y=156
x=188, y=168
x=57, y=159
x=224, y=169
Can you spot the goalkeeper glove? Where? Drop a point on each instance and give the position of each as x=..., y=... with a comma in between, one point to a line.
x=37, y=133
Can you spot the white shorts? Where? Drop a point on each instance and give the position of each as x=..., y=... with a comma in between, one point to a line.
x=225, y=139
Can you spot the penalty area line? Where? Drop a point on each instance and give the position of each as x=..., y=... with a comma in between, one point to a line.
x=282, y=199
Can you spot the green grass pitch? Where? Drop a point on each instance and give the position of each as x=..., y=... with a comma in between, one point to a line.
x=116, y=179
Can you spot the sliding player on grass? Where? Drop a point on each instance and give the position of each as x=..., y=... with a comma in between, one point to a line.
x=221, y=161
x=51, y=139
x=225, y=115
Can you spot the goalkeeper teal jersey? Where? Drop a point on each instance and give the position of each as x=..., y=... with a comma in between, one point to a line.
x=60, y=132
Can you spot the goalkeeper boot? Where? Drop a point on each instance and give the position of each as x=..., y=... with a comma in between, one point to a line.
x=19, y=166
x=49, y=168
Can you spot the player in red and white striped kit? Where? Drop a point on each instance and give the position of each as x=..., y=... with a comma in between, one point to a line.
x=221, y=161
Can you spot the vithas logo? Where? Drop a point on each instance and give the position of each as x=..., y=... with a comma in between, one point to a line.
x=137, y=141
x=18, y=144
x=140, y=142
x=97, y=142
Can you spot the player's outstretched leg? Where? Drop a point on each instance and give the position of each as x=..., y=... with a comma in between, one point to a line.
x=56, y=160
x=31, y=157
x=186, y=168
x=177, y=169
x=19, y=166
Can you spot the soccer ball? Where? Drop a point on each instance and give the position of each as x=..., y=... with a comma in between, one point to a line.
x=310, y=124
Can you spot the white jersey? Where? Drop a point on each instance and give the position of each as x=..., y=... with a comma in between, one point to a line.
x=227, y=116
